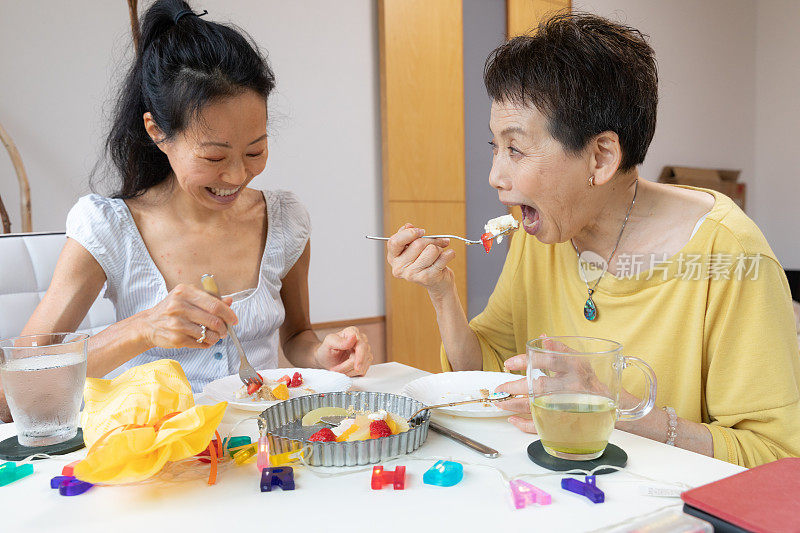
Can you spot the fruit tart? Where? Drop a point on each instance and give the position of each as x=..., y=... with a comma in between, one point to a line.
x=361, y=425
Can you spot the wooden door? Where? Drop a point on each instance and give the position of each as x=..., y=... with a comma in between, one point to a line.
x=422, y=123
x=525, y=15
x=422, y=116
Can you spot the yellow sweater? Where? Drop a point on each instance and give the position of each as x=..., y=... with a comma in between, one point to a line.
x=724, y=352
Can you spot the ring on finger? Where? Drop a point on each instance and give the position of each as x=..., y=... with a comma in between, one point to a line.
x=202, y=338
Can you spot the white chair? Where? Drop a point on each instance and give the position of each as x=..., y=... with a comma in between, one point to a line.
x=27, y=262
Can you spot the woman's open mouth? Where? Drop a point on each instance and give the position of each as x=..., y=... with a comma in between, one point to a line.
x=530, y=219
x=224, y=196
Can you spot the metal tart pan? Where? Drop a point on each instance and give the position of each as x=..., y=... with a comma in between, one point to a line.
x=282, y=423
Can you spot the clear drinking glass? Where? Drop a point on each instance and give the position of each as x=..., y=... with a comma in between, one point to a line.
x=574, y=386
x=43, y=378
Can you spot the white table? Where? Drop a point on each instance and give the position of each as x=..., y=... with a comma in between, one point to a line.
x=480, y=502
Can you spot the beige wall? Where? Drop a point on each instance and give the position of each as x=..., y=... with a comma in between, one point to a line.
x=776, y=202
x=706, y=62
x=729, y=97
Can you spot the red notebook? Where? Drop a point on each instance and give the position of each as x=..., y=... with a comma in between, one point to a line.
x=763, y=499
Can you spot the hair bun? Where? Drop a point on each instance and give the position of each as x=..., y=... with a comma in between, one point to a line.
x=184, y=12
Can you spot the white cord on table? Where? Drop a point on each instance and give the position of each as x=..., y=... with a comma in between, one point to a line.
x=505, y=478
x=175, y=472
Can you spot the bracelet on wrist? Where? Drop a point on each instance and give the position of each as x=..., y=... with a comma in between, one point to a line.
x=672, y=426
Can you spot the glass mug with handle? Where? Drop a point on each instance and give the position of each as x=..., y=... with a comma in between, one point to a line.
x=574, y=385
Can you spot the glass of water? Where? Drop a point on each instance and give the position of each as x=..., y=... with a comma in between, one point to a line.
x=42, y=377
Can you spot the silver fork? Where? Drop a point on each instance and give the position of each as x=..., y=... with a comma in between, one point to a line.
x=247, y=373
x=468, y=241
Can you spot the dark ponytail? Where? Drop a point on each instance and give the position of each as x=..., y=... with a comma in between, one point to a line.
x=183, y=62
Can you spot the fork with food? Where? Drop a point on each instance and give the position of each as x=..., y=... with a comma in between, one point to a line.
x=424, y=260
x=496, y=228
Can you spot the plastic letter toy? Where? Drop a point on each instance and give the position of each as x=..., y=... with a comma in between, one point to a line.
x=280, y=459
x=10, y=472
x=69, y=486
x=444, y=474
x=236, y=442
x=282, y=477
x=588, y=489
x=70, y=468
x=524, y=494
x=262, y=455
x=204, y=456
x=74, y=487
x=58, y=480
x=381, y=477
x=245, y=455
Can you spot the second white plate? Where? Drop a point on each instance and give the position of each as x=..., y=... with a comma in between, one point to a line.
x=455, y=386
x=315, y=380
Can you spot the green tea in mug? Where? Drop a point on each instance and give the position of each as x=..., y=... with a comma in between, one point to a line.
x=573, y=383
x=574, y=424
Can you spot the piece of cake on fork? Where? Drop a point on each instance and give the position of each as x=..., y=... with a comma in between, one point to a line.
x=498, y=228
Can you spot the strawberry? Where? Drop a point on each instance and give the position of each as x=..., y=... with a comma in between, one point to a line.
x=253, y=387
x=297, y=380
x=487, y=239
x=286, y=379
x=323, y=435
x=379, y=428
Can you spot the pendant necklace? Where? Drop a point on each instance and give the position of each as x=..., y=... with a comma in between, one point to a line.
x=590, y=308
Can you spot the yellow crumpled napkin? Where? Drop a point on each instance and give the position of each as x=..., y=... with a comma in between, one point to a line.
x=142, y=397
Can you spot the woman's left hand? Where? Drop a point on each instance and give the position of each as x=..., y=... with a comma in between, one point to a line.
x=557, y=374
x=347, y=351
x=523, y=419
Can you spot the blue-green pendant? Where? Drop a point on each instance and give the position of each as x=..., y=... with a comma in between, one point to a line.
x=589, y=309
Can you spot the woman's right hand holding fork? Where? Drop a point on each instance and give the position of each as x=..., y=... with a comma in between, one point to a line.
x=424, y=261
x=421, y=260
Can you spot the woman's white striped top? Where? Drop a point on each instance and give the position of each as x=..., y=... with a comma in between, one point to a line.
x=105, y=227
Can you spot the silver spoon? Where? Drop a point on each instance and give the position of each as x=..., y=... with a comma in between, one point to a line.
x=335, y=420
x=486, y=451
x=493, y=397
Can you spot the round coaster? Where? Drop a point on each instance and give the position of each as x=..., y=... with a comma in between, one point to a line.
x=613, y=455
x=12, y=450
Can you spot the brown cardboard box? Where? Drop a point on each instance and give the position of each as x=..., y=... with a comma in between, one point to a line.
x=717, y=179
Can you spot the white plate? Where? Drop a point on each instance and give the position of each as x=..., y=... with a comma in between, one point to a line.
x=315, y=381
x=455, y=386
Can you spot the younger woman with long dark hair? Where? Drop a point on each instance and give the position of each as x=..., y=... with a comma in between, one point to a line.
x=189, y=134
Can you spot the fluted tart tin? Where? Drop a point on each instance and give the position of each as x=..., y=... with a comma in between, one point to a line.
x=282, y=423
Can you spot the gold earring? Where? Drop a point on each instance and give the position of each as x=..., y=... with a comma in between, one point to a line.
x=591, y=180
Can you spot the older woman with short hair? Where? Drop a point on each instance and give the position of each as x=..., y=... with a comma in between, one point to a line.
x=690, y=284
